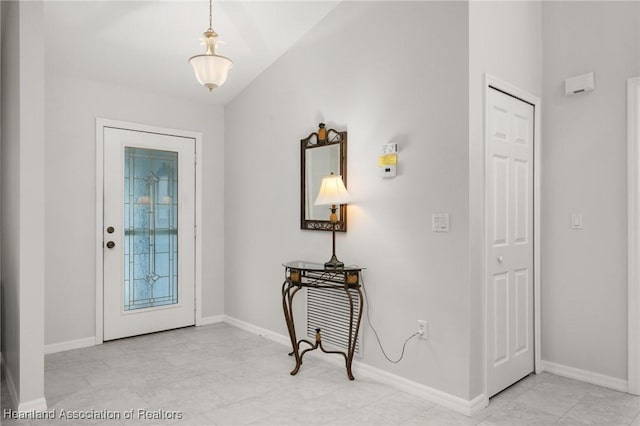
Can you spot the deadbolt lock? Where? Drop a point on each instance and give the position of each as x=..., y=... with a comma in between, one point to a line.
x=110, y=230
x=111, y=244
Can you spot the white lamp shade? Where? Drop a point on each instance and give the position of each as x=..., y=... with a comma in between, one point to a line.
x=211, y=70
x=332, y=192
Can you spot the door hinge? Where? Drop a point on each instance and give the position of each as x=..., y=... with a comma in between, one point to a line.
x=195, y=159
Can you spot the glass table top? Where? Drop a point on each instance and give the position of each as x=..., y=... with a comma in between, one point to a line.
x=314, y=266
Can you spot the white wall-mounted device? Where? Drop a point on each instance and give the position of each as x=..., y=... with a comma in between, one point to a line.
x=576, y=220
x=388, y=161
x=390, y=148
x=440, y=222
x=388, y=170
x=579, y=83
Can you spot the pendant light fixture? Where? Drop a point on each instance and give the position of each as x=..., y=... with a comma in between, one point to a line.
x=211, y=69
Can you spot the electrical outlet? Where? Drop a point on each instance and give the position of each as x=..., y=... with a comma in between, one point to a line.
x=423, y=329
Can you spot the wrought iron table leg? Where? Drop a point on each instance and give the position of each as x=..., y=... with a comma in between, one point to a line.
x=353, y=334
x=287, y=299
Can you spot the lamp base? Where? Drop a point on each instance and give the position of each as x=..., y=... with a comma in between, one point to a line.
x=334, y=263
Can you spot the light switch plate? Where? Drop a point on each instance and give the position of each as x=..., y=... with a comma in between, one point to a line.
x=576, y=221
x=440, y=222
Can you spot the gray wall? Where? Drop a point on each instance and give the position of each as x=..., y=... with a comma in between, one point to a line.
x=72, y=106
x=10, y=178
x=385, y=72
x=505, y=41
x=584, y=290
x=427, y=97
x=1, y=109
x=23, y=196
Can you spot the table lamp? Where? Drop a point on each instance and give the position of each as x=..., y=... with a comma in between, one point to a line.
x=333, y=193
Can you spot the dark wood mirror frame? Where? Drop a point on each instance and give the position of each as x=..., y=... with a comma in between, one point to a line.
x=314, y=141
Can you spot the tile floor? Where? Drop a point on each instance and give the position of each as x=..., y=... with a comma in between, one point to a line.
x=221, y=375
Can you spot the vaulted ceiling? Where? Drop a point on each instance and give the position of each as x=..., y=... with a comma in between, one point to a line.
x=147, y=44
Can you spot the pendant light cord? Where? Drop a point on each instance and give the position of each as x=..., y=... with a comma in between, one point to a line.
x=210, y=15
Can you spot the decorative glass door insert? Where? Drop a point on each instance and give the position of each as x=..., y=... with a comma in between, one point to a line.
x=148, y=232
x=150, y=228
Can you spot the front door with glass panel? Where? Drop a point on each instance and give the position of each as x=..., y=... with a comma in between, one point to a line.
x=149, y=195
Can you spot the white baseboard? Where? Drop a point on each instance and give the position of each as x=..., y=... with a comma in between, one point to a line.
x=478, y=404
x=585, y=376
x=85, y=342
x=11, y=387
x=436, y=396
x=39, y=404
x=263, y=332
x=211, y=320
x=444, y=399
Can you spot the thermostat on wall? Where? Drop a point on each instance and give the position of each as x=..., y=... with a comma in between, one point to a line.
x=388, y=170
x=390, y=148
x=579, y=83
x=388, y=161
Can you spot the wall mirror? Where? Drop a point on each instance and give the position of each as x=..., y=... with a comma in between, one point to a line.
x=321, y=153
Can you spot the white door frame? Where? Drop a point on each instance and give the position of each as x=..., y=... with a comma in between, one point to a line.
x=633, y=242
x=101, y=123
x=491, y=81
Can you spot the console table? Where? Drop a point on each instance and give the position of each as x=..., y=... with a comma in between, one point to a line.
x=302, y=274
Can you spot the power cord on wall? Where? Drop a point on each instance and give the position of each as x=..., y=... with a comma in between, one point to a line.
x=366, y=299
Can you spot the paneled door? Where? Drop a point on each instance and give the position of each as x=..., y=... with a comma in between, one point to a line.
x=510, y=334
x=148, y=249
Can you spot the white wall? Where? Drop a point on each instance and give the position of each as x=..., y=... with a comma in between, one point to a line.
x=72, y=106
x=10, y=178
x=385, y=72
x=584, y=292
x=2, y=24
x=505, y=41
x=23, y=195
x=427, y=95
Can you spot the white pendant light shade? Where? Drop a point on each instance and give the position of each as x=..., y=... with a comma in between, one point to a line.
x=211, y=70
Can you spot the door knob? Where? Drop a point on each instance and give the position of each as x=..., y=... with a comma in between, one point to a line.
x=500, y=259
x=111, y=244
